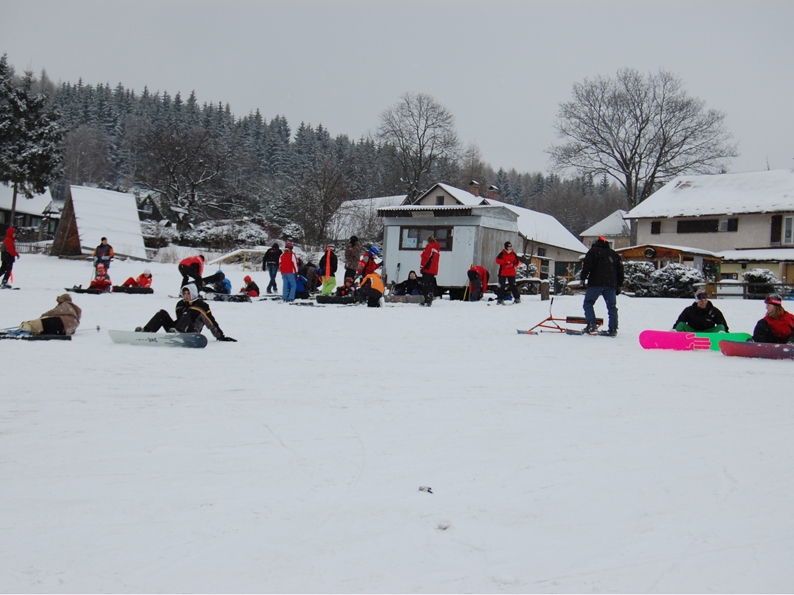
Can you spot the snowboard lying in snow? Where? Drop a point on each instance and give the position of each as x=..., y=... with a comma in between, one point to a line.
x=126, y=289
x=80, y=289
x=25, y=336
x=688, y=341
x=196, y=340
x=765, y=350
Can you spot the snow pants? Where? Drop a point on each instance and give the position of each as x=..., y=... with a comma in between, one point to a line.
x=272, y=270
x=191, y=321
x=507, y=284
x=7, y=264
x=610, y=297
x=428, y=288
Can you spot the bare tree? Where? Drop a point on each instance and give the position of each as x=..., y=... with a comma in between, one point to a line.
x=420, y=135
x=641, y=131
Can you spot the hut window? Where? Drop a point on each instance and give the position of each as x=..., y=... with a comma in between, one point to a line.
x=413, y=238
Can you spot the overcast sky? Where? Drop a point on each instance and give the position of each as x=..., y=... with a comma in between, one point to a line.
x=501, y=67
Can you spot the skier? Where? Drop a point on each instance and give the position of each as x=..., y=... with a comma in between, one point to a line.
x=327, y=268
x=701, y=317
x=478, y=282
x=143, y=280
x=192, y=315
x=777, y=326
x=270, y=264
x=411, y=286
x=250, y=288
x=352, y=256
x=428, y=261
x=102, y=281
x=288, y=265
x=508, y=262
x=103, y=254
x=192, y=267
x=367, y=263
x=63, y=319
x=602, y=273
x=372, y=290
x=8, y=254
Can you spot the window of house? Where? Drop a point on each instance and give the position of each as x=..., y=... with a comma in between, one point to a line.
x=698, y=226
x=788, y=230
x=413, y=238
x=440, y=200
x=656, y=227
x=729, y=224
x=541, y=252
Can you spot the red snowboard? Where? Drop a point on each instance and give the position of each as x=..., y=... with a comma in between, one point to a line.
x=765, y=350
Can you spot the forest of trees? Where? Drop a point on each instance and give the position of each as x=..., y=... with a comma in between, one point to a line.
x=201, y=159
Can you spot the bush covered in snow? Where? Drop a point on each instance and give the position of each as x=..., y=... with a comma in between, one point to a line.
x=637, y=277
x=761, y=282
x=675, y=280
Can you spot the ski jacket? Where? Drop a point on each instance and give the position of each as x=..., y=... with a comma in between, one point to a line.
x=409, y=286
x=344, y=290
x=508, y=263
x=251, y=288
x=194, y=260
x=429, y=259
x=68, y=312
x=103, y=253
x=102, y=283
x=288, y=263
x=143, y=281
x=272, y=256
x=602, y=267
x=702, y=319
x=194, y=310
x=328, y=264
x=483, y=274
x=352, y=255
x=8, y=243
x=367, y=264
x=783, y=327
x=374, y=281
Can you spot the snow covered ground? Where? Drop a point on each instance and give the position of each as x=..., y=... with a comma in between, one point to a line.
x=291, y=461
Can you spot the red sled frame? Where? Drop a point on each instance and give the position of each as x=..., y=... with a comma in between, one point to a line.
x=551, y=324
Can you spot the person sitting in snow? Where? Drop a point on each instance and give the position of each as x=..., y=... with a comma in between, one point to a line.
x=102, y=281
x=192, y=315
x=251, y=289
x=63, y=319
x=301, y=288
x=143, y=280
x=411, y=286
x=777, y=326
x=218, y=283
x=348, y=289
x=701, y=317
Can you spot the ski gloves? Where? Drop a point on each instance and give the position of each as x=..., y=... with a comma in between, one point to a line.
x=225, y=338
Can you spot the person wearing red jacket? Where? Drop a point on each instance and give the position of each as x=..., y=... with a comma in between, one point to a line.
x=192, y=267
x=777, y=326
x=288, y=265
x=251, y=289
x=478, y=282
x=8, y=254
x=143, y=280
x=508, y=263
x=367, y=264
x=101, y=282
x=428, y=262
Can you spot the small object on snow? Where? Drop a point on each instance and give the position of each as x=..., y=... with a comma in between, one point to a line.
x=97, y=328
x=425, y=489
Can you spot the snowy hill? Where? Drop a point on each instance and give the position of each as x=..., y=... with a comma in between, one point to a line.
x=291, y=461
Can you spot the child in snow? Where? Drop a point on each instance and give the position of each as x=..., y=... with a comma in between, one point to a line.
x=143, y=280
x=777, y=326
x=192, y=315
x=701, y=317
x=251, y=288
x=348, y=289
x=63, y=319
x=101, y=282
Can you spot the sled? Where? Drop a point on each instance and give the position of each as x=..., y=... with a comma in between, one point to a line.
x=551, y=324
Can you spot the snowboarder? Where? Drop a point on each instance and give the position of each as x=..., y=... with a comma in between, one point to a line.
x=478, y=282
x=8, y=254
x=251, y=289
x=428, y=261
x=218, y=283
x=327, y=268
x=102, y=281
x=103, y=254
x=602, y=274
x=348, y=289
x=411, y=286
x=63, y=319
x=270, y=264
x=777, y=326
x=508, y=262
x=288, y=265
x=352, y=256
x=192, y=267
x=143, y=280
x=192, y=315
x=372, y=290
x=701, y=317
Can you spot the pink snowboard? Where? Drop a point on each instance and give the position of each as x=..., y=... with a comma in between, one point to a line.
x=673, y=340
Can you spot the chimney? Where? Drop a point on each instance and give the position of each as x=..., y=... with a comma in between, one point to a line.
x=493, y=192
x=474, y=188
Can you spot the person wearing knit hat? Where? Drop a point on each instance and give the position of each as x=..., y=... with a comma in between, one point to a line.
x=778, y=324
x=701, y=317
x=250, y=288
x=63, y=319
x=102, y=281
x=143, y=280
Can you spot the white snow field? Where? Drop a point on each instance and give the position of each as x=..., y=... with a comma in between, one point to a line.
x=291, y=461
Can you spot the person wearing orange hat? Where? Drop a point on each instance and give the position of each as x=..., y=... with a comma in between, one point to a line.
x=777, y=326
x=251, y=288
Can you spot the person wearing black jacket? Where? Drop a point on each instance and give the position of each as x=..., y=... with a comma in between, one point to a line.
x=270, y=264
x=701, y=316
x=602, y=274
x=411, y=286
x=192, y=314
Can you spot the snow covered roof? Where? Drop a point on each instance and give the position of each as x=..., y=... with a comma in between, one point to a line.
x=358, y=215
x=612, y=225
x=463, y=197
x=105, y=213
x=543, y=228
x=686, y=249
x=759, y=255
x=720, y=194
x=28, y=206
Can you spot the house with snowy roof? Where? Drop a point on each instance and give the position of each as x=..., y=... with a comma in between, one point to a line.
x=359, y=217
x=90, y=214
x=614, y=229
x=30, y=212
x=471, y=230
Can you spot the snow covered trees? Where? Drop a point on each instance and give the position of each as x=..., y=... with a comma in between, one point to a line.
x=30, y=137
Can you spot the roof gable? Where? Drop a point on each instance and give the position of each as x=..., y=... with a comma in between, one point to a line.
x=105, y=213
x=611, y=225
x=28, y=206
x=543, y=228
x=458, y=196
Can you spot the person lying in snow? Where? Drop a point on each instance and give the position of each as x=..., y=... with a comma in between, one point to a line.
x=701, y=317
x=217, y=283
x=63, y=319
x=192, y=314
x=143, y=280
x=102, y=281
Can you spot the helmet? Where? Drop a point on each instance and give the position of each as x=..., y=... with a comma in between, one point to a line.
x=374, y=250
x=288, y=245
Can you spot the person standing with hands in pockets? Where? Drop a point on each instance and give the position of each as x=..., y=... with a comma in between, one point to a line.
x=508, y=263
x=603, y=273
x=428, y=261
